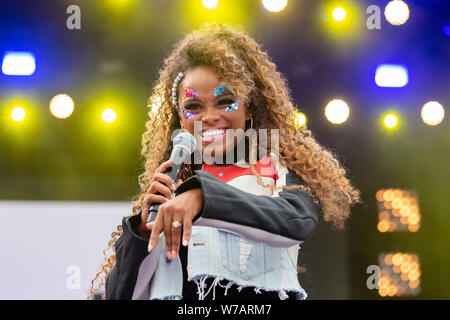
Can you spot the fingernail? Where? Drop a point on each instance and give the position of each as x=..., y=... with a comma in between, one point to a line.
x=185, y=243
x=173, y=187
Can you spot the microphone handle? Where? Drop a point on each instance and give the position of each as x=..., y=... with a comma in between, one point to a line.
x=173, y=172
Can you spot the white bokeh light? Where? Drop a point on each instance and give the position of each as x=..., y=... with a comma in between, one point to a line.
x=432, y=113
x=396, y=12
x=61, y=106
x=337, y=111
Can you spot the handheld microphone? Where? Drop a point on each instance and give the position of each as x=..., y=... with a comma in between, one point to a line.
x=183, y=146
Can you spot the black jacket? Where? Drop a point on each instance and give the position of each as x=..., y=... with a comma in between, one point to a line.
x=293, y=218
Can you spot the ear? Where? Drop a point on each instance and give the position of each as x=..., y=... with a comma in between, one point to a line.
x=247, y=116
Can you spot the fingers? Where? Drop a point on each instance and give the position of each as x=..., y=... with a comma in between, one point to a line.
x=156, y=229
x=165, y=179
x=150, y=225
x=163, y=167
x=187, y=229
x=168, y=234
x=148, y=200
x=157, y=186
x=176, y=236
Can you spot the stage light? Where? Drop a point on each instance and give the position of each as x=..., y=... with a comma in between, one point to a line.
x=210, y=4
x=274, y=5
x=109, y=115
x=397, y=210
x=18, y=64
x=432, y=113
x=339, y=14
x=18, y=114
x=390, y=121
x=396, y=12
x=446, y=30
x=299, y=119
x=337, y=111
x=399, y=274
x=394, y=76
x=61, y=106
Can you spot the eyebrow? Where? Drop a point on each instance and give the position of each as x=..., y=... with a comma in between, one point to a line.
x=224, y=94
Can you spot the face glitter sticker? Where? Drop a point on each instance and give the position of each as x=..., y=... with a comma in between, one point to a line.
x=221, y=89
x=191, y=93
x=188, y=115
x=234, y=106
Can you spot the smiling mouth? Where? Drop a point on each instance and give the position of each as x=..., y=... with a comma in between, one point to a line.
x=212, y=134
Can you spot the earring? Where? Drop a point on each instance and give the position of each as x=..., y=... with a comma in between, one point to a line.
x=251, y=122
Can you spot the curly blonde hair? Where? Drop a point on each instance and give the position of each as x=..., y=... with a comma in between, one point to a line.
x=239, y=60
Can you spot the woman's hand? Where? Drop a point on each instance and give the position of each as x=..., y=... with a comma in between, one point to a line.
x=160, y=183
x=183, y=208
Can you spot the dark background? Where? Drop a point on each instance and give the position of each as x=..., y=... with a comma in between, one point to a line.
x=114, y=60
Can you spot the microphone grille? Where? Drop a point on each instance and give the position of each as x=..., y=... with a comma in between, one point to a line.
x=186, y=140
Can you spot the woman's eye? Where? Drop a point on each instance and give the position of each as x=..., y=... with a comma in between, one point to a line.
x=192, y=107
x=226, y=101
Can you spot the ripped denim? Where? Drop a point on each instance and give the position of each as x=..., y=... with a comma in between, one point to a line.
x=220, y=255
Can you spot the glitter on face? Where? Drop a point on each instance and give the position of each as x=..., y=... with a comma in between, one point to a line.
x=192, y=93
x=188, y=115
x=234, y=106
x=221, y=89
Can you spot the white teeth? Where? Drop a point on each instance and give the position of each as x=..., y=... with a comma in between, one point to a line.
x=212, y=133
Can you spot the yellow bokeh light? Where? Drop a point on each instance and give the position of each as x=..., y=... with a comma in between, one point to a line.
x=18, y=114
x=299, y=119
x=383, y=226
x=397, y=259
x=109, y=115
x=274, y=5
x=384, y=282
x=413, y=275
x=388, y=205
x=388, y=195
x=379, y=195
x=390, y=121
x=392, y=290
x=405, y=211
x=396, y=203
x=61, y=106
x=388, y=259
x=339, y=14
x=383, y=292
x=210, y=4
x=413, y=284
x=413, y=219
x=405, y=267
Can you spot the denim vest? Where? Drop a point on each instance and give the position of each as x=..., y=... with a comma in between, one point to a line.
x=220, y=254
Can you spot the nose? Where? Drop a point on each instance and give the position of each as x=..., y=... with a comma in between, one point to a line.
x=210, y=115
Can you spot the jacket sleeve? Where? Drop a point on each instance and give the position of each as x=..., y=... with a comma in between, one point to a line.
x=131, y=250
x=283, y=220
